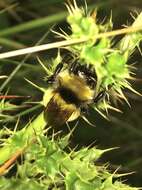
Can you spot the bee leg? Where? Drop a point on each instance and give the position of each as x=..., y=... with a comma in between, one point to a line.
x=58, y=69
x=84, y=110
x=100, y=96
x=74, y=68
x=52, y=78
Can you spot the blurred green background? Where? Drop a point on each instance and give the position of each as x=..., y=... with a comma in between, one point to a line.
x=27, y=23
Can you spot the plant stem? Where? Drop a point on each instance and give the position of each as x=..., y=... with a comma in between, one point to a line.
x=11, y=43
x=67, y=42
x=34, y=24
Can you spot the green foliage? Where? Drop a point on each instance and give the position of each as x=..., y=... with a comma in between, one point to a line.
x=48, y=163
x=18, y=140
x=109, y=61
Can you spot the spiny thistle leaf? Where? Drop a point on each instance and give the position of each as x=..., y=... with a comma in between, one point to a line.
x=57, y=168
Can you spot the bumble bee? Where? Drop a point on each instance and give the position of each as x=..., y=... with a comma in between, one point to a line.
x=72, y=91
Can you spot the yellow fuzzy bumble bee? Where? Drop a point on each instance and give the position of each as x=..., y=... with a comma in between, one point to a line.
x=71, y=92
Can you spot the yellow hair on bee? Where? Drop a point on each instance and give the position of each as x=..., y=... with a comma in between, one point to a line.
x=77, y=85
x=64, y=99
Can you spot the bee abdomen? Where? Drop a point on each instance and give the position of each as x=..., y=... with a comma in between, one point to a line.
x=58, y=112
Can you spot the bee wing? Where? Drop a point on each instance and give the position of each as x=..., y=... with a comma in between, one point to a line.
x=57, y=111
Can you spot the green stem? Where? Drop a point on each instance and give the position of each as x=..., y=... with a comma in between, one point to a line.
x=21, y=64
x=34, y=24
x=25, y=64
x=11, y=43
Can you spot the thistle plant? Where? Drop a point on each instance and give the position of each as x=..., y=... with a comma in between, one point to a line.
x=48, y=162
x=48, y=166
x=109, y=61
